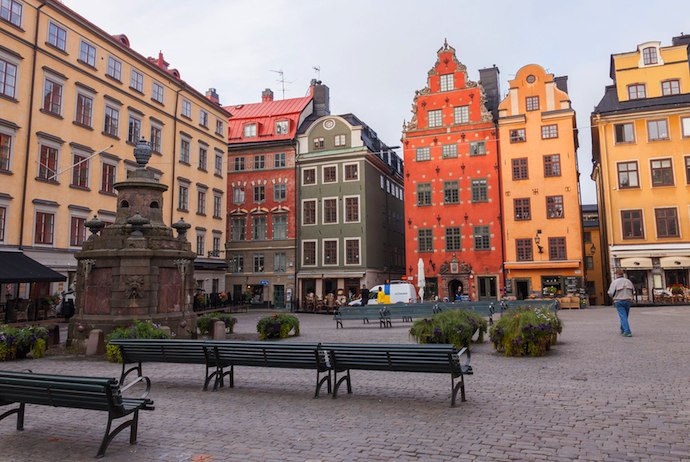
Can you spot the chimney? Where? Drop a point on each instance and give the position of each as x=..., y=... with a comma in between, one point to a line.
x=212, y=96
x=682, y=39
x=321, y=95
x=488, y=78
x=266, y=95
x=562, y=83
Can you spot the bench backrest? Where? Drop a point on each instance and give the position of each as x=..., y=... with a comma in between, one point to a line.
x=96, y=393
x=436, y=358
x=163, y=351
x=286, y=355
x=371, y=312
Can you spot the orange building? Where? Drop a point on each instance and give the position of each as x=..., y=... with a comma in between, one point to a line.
x=541, y=204
x=452, y=192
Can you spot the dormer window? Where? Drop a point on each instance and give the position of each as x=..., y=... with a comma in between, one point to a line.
x=637, y=91
x=670, y=87
x=282, y=127
x=250, y=131
x=447, y=82
x=650, y=56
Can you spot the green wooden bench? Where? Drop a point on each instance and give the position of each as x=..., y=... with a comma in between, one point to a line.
x=93, y=393
x=431, y=358
x=292, y=355
x=365, y=313
x=408, y=312
x=137, y=351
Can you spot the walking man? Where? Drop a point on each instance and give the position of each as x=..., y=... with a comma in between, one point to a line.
x=621, y=291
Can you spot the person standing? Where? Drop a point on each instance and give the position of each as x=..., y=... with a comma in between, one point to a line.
x=365, y=295
x=621, y=290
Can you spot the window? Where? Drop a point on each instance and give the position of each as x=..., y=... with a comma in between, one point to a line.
x=352, y=209
x=47, y=166
x=520, y=171
x=451, y=192
x=282, y=127
x=523, y=250
x=112, y=121
x=185, y=146
x=8, y=78
x=11, y=11
x=216, y=248
x=308, y=253
x=352, y=251
x=589, y=262
x=552, y=165
x=309, y=212
x=425, y=240
x=423, y=154
x=279, y=262
x=684, y=121
x=657, y=130
x=631, y=221
x=666, y=222
x=77, y=231
x=279, y=160
x=238, y=227
x=3, y=220
x=330, y=211
x=482, y=238
x=218, y=164
x=554, y=206
x=183, y=198
x=259, y=162
x=351, y=172
x=201, y=202
x=280, y=223
x=522, y=208
x=477, y=148
x=57, y=36
x=236, y=264
x=136, y=81
x=259, y=228
x=84, y=110
x=45, y=225
x=279, y=192
x=186, y=108
x=217, y=206
x=114, y=68
x=532, y=103
x=453, y=239
x=435, y=118
x=461, y=114
x=447, y=82
x=157, y=92
x=624, y=133
x=309, y=176
x=557, y=248
x=259, y=194
x=670, y=87
x=219, y=127
x=5, y=151
x=52, y=97
x=330, y=252
x=330, y=174
x=133, y=129
x=156, y=138
x=518, y=135
x=203, y=119
x=339, y=140
x=250, y=131
x=636, y=91
x=549, y=131
x=239, y=164
x=258, y=263
x=662, y=172
x=87, y=53
x=649, y=56
x=687, y=166
x=480, y=190
x=450, y=151
x=628, y=176
x=587, y=236
x=423, y=194
x=200, y=244
x=318, y=143
x=80, y=171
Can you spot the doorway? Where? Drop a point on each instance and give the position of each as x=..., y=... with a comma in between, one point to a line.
x=279, y=296
x=639, y=280
x=521, y=289
x=455, y=289
x=487, y=287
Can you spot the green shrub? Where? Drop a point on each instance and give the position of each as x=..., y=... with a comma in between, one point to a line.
x=278, y=325
x=205, y=322
x=140, y=329
x=454, y=326
x=526, y=331
x=17, y=342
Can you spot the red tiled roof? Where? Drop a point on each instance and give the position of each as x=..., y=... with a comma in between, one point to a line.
x=265, y=115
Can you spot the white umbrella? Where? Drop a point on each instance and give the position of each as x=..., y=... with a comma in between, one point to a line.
x=421, y=281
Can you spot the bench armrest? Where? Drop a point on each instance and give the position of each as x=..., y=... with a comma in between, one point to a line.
x=137, y=380
x=466, y=368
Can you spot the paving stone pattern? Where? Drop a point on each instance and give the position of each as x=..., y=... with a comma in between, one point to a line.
x=595, y=396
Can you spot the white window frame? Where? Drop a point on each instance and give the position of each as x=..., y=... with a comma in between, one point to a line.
x=304, y=171
x=285, y=130
x=87, y=161
x=273, y=227
x=200, y=248
x=323, y=173
x=12, y=134
x=49, y=209
x=114, y=65
x=359, y=208
x=461, y=115
x=159, y=148
x=55, y=80
x=432, y=120
x=117, y=128
x=58, y=27
x=203, y=118
x=219, y=127
x=85, y=46
x=185, y=203
x=323, y=251
x=316, y=252
x=88, y=95
x=345, y=179
x=136, y=80
x=186, y=110
x=685, y=127
x=249, y=131
x=316, y=212
x=217, y=205
x=6, y=204
x=187, y=158
x=359, y=246
x=14, y=62
x=157, y=92
x=323, y=211
x=132, y=116
x=58, y=149
x=77, y=214
x=20, y=6
x=218, y=166
x=111, y=163
x=447, y=82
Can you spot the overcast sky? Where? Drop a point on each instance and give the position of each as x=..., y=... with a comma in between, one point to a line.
x=374, y=54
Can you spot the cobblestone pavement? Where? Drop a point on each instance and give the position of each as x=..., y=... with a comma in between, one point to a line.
x=595, y=396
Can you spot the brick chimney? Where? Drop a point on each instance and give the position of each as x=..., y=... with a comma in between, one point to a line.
x=212, y=95
x=266, y=95
x=489, y=79
x=321, y=95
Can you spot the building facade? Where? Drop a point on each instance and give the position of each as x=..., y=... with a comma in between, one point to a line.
x=641, y=155
x=539, y=173
x=594, y=264
x=73, y=102
x=350, y=209
x=452, y=189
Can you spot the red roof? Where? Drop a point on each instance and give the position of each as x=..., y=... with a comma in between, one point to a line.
x=265, y=115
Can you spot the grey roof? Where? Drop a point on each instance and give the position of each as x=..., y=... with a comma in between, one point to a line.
x=590, y=208
x=609, y=104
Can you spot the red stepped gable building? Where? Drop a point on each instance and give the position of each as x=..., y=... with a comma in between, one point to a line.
x=452, y=192
x=262, y=193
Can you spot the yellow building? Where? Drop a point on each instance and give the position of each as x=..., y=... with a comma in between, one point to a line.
x=73, y=101
x=641, y=155
x=594, y=265
x=539, y=173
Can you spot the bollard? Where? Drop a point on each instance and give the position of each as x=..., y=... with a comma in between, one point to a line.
x=219, y=330
x=95, y=345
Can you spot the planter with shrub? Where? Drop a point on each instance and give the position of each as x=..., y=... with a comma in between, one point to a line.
x=454, y=326
x=278, y=325
x=205, y=323
x=140, y=329
x=22, y=342
x=526, y=331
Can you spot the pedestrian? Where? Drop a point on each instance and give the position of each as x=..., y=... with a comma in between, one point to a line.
x=621, y=290
x=365, y=295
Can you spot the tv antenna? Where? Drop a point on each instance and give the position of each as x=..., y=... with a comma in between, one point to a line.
x=281, y=80
x=317, y=69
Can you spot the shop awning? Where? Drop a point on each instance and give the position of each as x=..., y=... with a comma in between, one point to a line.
x=674, y=262
x=634, y=263
x=16, y=267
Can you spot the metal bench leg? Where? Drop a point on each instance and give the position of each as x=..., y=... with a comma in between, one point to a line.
x=320, y=381
x=20, y=416
x=345, y=378
x=455, y=387
x=125, y=373
x=338, y=323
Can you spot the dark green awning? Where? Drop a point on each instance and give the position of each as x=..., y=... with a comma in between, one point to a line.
x=16, y=267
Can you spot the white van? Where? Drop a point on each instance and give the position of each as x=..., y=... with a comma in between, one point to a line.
x=395, y=292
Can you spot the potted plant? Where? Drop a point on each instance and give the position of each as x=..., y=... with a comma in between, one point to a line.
x=140, y=329
x=454, y=326
x=526, y=331
x=205, y=322
x=278, y=325
x=677, y=289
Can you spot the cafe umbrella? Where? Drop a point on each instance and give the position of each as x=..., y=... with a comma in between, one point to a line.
x=421, y=281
